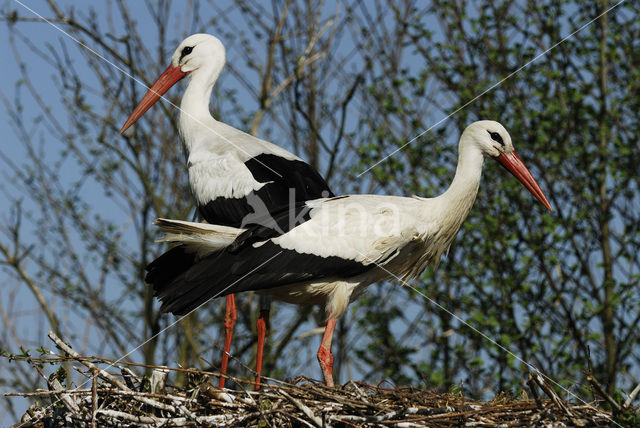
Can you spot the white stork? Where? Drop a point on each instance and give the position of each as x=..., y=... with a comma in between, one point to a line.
x=342, y=244
x=236, y=179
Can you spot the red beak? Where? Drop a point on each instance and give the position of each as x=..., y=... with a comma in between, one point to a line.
x=514, y=165
x=166, y=80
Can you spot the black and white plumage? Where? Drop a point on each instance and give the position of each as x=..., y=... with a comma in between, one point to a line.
x=345, y=244
x=236, y=179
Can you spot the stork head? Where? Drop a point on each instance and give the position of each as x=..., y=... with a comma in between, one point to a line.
x=199, y=51
x=199, y=54
x=494, y=142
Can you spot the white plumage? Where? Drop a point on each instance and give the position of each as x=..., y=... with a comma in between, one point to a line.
x=236, y=179
x=225, y=165
x=201, y=238
x=341, y=244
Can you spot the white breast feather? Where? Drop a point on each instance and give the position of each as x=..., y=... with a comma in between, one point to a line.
x=212, y=175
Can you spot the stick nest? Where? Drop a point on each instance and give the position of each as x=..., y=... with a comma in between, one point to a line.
x=116, y=396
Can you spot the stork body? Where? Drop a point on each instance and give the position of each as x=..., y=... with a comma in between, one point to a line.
x=344, y=243
x=234, y=176
x=236, y=179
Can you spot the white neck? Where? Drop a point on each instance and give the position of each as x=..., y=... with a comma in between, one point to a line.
x=457, y=201
x=194, y=107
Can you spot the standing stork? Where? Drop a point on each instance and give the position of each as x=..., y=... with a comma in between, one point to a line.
x=345, y=244
x=236, y=179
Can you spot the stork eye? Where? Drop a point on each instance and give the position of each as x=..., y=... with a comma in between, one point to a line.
x=496, y=137
x=186, y=51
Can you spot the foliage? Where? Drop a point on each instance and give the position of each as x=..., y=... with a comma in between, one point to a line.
x=547, y=286
x=343, y=85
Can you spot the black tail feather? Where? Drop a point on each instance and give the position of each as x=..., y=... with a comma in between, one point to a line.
x=165, y=269
x=183, y=283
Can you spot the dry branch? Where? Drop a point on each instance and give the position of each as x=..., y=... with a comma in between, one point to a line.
x=134, y=402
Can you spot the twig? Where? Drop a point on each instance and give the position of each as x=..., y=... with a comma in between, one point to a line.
x=128, y=376
x=108, y=377
x=42, y=393
x=630, y=398
x=158, y=380
x=306, y=410
x=133, y=418
x=534, y=391
x=103, y=391
x=94, y=400
x=103, y=374
x=305, y=403
x=600, y=390
x=539, y=380
x=66, y=398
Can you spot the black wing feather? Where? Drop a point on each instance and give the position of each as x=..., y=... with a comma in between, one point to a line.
x=286, y=181
x=182, y=282
x=250, y=268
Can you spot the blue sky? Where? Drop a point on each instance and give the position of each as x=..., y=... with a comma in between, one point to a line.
x=31, y=324
x=27, y=318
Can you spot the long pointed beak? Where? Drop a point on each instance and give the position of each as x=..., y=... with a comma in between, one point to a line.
x=514, y=165
x=166, y=80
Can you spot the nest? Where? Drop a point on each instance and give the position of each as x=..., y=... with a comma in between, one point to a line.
x=127, y=399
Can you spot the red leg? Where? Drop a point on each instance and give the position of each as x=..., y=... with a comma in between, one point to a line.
x=324, y=353
x=230, y=318
x=262, y=325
